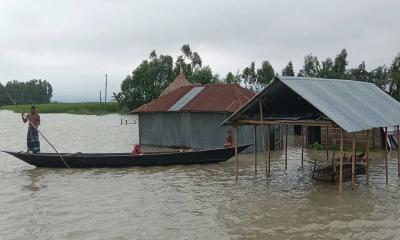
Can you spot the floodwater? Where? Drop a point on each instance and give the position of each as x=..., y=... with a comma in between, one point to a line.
x=181, y=202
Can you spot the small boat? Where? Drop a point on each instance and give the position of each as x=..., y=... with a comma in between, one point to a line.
x=119, y=160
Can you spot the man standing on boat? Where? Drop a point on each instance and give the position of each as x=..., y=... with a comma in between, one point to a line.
x=32, y=140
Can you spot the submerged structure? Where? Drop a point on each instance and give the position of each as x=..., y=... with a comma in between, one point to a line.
x=190, y=115
x=355, y=108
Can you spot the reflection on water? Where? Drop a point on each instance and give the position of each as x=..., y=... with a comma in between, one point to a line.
x=182, y=202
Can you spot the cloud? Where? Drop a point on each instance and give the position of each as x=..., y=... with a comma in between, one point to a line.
x=74, y=43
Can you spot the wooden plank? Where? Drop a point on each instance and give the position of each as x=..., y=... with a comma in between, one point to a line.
x=286, y=122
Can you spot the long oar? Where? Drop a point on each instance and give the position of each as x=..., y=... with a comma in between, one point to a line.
x=41, y=134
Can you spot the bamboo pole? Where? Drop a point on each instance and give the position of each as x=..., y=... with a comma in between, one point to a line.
x=236, y=153
x=286, y=145
x=255, y=149
x=398, y=151
x=302, y=145
x=269, y=148
x=341, y=162
x=327, y=145
x=373, y=138
x=353, y=164
x=367, y=158
x=263, y=137
x=386, y=157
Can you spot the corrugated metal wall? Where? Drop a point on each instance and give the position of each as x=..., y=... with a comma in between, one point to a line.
x=194, y=130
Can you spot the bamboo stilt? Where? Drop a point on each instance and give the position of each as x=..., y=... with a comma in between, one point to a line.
x=236, y=153
x=398, y=151
x=255, y=149
x=269, y=148
x=302, y=145
x=286, y=145
x=263, y=137
x=341, y=162
x=327, y=144
x=373, y=138
x=367, y=159
x=386, y=157
x=353, y=164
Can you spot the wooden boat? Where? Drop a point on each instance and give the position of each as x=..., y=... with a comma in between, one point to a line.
x=117, y=160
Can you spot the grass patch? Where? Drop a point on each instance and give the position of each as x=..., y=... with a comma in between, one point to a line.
x=72, y=108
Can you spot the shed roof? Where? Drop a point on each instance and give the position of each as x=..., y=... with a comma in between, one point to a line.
x=200, y=98
x=179, y=81
x=353, y=105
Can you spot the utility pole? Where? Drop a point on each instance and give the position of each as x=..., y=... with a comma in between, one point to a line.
x=105, y=91
x=100, y=95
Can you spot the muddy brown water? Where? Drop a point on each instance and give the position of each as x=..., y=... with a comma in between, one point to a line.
x=181, y=202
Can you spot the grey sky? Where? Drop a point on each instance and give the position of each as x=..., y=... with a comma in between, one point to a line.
x=74, y=43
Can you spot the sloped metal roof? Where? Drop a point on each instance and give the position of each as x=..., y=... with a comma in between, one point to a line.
x=353, y=105
x=200, y=98
x=186, y=99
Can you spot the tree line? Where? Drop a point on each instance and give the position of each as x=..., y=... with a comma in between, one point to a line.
x=154, y=74
x=34, y=91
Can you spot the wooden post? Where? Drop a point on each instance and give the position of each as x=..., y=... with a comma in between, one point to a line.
x=341, y=162
x=302, y=145
x=263, y=137
x=255, y=149
x=367, y=159
x=398, y=151
x=269, y=148
x=386, y=157
x=286, y=145
x=353, y=163
x=327, y=145
x=236, y=153
x=373, y=138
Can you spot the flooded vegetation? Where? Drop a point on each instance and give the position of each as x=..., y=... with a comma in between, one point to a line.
x=182, y=202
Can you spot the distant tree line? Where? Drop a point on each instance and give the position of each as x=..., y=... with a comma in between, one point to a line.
x=154, y=74
x=34, y=91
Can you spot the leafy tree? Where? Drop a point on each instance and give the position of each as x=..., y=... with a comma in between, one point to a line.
x=327, y=69
x=311, y=66
x=265, y=74
x=394, y=77
x=203, y=75
x=34, y=91
x=230, y=78
x=380, y=76
x=360, y=73
x=249, y=75
x=288, y=70
x=340, y=63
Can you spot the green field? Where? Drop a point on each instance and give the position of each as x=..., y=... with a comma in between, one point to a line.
x=72, y=108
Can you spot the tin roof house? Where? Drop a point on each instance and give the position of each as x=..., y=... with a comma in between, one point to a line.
x=189, y=115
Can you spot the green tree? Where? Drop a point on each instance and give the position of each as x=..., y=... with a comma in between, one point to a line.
x=288, y=70
x=394, y=77
x=339, y=65
x=230, y=78
x=203, y=75
x=265, y=74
